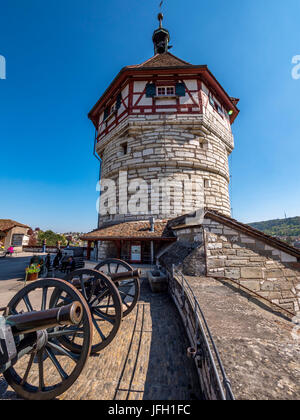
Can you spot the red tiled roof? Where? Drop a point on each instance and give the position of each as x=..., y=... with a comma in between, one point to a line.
x=131, y=230
x=7, y=224
x=162, y=60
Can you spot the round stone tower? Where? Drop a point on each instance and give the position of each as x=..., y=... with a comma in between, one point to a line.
x=163, y=133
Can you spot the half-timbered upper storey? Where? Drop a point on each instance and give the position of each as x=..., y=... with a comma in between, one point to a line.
x=163, y=84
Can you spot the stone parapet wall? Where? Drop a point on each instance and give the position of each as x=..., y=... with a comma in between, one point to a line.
x=205, y=360
x=270, y=272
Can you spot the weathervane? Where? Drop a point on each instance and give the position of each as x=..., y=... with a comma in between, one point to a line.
x=161, y=36
x=160, y=15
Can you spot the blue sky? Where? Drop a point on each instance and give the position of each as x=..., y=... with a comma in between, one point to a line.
x=62, y=54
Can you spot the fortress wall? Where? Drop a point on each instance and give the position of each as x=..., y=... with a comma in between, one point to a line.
x=271, y=273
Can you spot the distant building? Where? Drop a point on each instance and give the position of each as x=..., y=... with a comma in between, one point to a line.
x=14, y=234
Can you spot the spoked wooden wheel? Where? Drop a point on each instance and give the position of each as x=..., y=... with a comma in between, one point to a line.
x=105, y=306
x=49, y=368
x=129, y=289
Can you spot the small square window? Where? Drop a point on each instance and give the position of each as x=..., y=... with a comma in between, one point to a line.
x=207, y=183
x=166, y=91
x=124, y=147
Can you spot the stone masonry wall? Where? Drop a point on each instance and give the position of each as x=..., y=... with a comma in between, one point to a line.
x=106, y=249
x=163, y=149
x=264, y=269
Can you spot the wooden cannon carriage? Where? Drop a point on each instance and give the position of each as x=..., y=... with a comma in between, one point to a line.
x=51, y=326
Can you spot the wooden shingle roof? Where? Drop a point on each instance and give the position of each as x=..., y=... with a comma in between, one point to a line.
x=7, y=224
x=139, y=230
x=162, y=60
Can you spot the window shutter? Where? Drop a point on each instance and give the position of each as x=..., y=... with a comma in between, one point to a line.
x=106, y=113
x=180, y=89
x=150, y=90
x=119, y=101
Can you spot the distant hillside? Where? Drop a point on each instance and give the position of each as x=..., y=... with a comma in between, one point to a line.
x=281, y=227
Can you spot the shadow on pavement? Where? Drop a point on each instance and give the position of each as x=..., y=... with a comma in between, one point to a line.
x=13, y=268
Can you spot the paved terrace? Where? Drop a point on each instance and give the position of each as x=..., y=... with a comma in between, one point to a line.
x=146, y=361
x=260, y=356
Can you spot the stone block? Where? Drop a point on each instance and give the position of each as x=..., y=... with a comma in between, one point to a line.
x=215, y=246
x=233, y=273
x=267, y=286
x=257, y=259
x=287, y=294
x=275, y=295
x=289, y=273
x=229, y=252
x=215, y=263
x=244, y=253
x=148, y=152
x=274, y=274
x=251, y=284
x=251, y=273
x=247, y=240
x=236, y=263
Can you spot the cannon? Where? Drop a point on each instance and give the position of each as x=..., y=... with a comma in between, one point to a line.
x=33, y=360
x=51, y=326
x=126, y=279
x=111, y=291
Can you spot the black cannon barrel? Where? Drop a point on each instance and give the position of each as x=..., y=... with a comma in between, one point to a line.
x=34, y=321
x=127, y=275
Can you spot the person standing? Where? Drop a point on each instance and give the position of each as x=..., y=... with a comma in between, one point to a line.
x=48, y=262
x=10, y=251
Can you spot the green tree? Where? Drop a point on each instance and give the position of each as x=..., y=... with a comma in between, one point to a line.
x=51, y=237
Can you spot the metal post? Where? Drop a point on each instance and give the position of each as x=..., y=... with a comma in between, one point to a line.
x=152, y=252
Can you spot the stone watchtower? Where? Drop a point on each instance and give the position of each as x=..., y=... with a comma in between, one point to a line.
x=166, y=121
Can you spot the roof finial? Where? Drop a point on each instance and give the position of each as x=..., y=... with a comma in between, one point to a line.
x=161, y=36
x=160, y=19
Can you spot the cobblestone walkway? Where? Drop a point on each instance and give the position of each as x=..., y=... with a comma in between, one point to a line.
x=146, y=361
